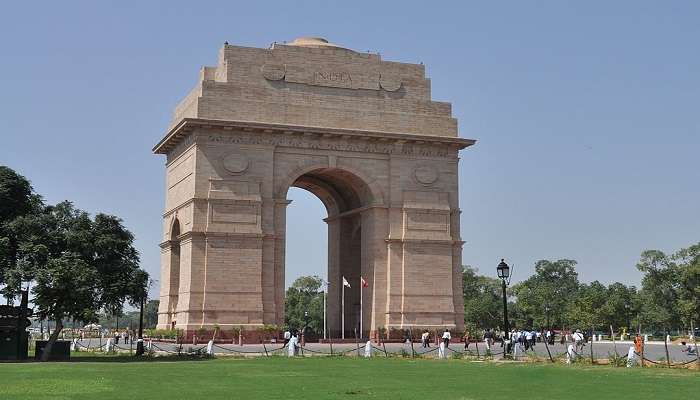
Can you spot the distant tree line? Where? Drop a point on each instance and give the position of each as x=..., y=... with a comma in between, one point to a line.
x=75, y=266
x=553, y=297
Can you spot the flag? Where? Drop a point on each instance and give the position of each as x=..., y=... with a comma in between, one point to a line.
x=364, y=282
x=345, y=282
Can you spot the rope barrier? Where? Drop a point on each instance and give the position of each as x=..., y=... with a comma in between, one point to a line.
x=78, y=344
x=664, y=363
x=317, y=352
x=246, y=352
x=469, y=352
x=430, y=351
x=155, y=346
x=380, y=350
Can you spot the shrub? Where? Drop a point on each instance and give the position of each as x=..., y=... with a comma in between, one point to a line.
x=617, y=360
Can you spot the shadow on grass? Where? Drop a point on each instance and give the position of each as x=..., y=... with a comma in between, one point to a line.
x=117, y=359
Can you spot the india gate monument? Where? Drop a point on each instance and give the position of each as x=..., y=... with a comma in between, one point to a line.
x=360, y=133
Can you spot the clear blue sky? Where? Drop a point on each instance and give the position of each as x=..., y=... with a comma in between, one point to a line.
x=586, y=113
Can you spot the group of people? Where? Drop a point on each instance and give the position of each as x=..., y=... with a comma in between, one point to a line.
x=126, y=336
x=425, y=338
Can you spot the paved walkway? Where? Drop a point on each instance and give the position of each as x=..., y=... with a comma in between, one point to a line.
x=653, y=351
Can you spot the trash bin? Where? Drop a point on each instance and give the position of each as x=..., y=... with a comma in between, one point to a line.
x=59, y=352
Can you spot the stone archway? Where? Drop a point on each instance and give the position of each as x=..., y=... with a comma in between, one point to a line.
x=346, y=197
x=361, y=134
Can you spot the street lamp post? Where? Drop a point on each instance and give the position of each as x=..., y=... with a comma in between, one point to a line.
x=139, y=342
x=303, y=331
x=503, y=271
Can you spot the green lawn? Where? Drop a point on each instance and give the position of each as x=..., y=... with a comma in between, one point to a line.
x=331, y=378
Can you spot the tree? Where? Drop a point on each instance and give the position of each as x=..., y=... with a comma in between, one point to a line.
x=150, y=314
x=688, y=284
x=66, y=288
x=543, y=297
x=17, y=199
x=587, y=309
x=621, y=305
x=659, y=290
x=17, y=196
x=62, y=250
x=305, y=295
x=483, y=299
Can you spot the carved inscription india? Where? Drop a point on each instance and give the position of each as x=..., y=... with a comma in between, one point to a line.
x=332, y=78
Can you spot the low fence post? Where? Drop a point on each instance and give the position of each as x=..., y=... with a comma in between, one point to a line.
x=612, y=335
x=546, y=346
x=668, y=359
x=592, y=361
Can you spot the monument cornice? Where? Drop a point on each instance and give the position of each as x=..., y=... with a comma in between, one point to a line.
x=178, y=132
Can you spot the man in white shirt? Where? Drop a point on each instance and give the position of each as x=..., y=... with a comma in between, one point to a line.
x=530, y=339
x=446, y=338
x=578, y=340
x=287, y=336
x=425, y=339
x=292, y=350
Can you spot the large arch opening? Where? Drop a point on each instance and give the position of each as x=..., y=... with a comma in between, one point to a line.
x=344, y=196
x=174, y=275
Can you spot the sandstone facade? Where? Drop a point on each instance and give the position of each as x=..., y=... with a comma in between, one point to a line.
x=362, y=134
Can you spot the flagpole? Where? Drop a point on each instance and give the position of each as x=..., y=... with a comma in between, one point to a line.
x=342, y=316
x=361, y=287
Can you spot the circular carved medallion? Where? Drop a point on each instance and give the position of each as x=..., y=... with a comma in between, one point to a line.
x=389, y=83
x=235, y=163
x=273, y=72
x=426, y=174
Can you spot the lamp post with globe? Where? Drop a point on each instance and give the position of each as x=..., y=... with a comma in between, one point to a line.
x=503, y=271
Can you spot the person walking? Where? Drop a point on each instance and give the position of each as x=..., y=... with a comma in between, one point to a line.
x=466, y=339
x=446, y=338
x=526, y=339
x=425, y=339
x=488, y=337
x=578, y=340
x=287, y=336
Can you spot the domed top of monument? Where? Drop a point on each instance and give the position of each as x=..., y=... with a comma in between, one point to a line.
x=315, y=42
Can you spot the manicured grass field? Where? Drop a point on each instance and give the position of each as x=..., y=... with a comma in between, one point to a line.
x=333, y=378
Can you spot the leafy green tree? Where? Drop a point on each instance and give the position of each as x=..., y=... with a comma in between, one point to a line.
x=620, y=307
x=17, y=196
x=67, y=287
x=305, y=295
x=483, y=300
x=17, y=199
x=544, y=296
x=150, y=314
x=68, y=255
x=688, y=284
x=659, y=290
x=587, y=309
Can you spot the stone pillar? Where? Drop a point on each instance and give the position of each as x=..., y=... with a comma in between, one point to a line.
x=375, y=253
x=334, y=278
x=278, y=256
